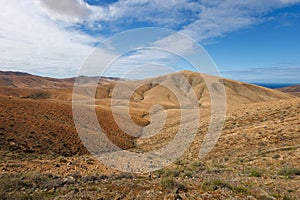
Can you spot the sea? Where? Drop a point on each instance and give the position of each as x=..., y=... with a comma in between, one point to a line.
x=275, y=85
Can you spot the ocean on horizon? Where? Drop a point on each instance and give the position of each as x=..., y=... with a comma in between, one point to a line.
x=275, y=85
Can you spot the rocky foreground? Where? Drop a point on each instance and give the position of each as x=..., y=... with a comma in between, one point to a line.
x=257, y=157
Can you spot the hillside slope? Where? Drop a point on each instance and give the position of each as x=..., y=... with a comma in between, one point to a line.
x=293, y=90
x=256, y=157
x=155, y=90
x=46, y=125
x=25, y=80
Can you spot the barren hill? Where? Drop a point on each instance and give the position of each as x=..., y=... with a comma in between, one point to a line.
x=25, y=80
x=256, y=157
x=30, y=124
x=21, y=80
x=155, y=90
x=24, y=85
x=293, y=90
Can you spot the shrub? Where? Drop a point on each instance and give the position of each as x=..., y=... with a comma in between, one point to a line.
x=290, y=172
x=159, y=172
x=188, y=174
x=216, y=184
x=10, y=182
x=14, y=182
x=170, y=183
x=241, y=190
x=40, y=95
x=49, y=184
x=198, y=166
x=76, y=175
x=255, y=172
x=287, y=198
x=175, y=172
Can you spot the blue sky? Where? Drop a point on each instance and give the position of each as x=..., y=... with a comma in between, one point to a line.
x=266, y=52
x=253, y=41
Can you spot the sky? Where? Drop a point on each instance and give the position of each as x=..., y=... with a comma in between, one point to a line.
x=249, y=40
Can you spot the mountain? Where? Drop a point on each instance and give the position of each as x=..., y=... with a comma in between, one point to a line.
x=293, y=90
x=237, y=92
x=48, y=100
x=154, y=90
x=25, y=80
x=256, y=156
x=23, y=85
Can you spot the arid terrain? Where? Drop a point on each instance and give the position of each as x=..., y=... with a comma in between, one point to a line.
x=294, y=90
x=42, y=157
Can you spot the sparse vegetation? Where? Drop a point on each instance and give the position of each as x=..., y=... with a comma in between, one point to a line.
x=172, y=172
x=219, y=184
x=39, y=95
x=288, y=198
x=290, y=172
x=170, y=183
x=13, y=183
x=241, y=190
x=216, y=184
x=256, y=172
x=188, y=174
x=197, y=165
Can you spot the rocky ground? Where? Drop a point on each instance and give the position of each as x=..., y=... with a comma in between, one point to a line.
x=256, y=157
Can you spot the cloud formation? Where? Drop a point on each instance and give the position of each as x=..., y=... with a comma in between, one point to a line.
x=67, y=10
x=200, y=20
x=53, y=37
x=31, y=42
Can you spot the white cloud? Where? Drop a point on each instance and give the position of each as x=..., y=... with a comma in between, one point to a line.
x=205, y=19
x=31, y=42
x=221, y=17
x=176, y=43
x=218, y=18
x=167, y=12
x=68, y=10
x=41, y=37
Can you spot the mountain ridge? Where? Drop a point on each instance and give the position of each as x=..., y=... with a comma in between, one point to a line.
x=22, y=79
x=293, y=90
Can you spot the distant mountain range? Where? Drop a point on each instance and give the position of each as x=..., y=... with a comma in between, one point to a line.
x=21, y=79
x=237, y=92
x=293, y=90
